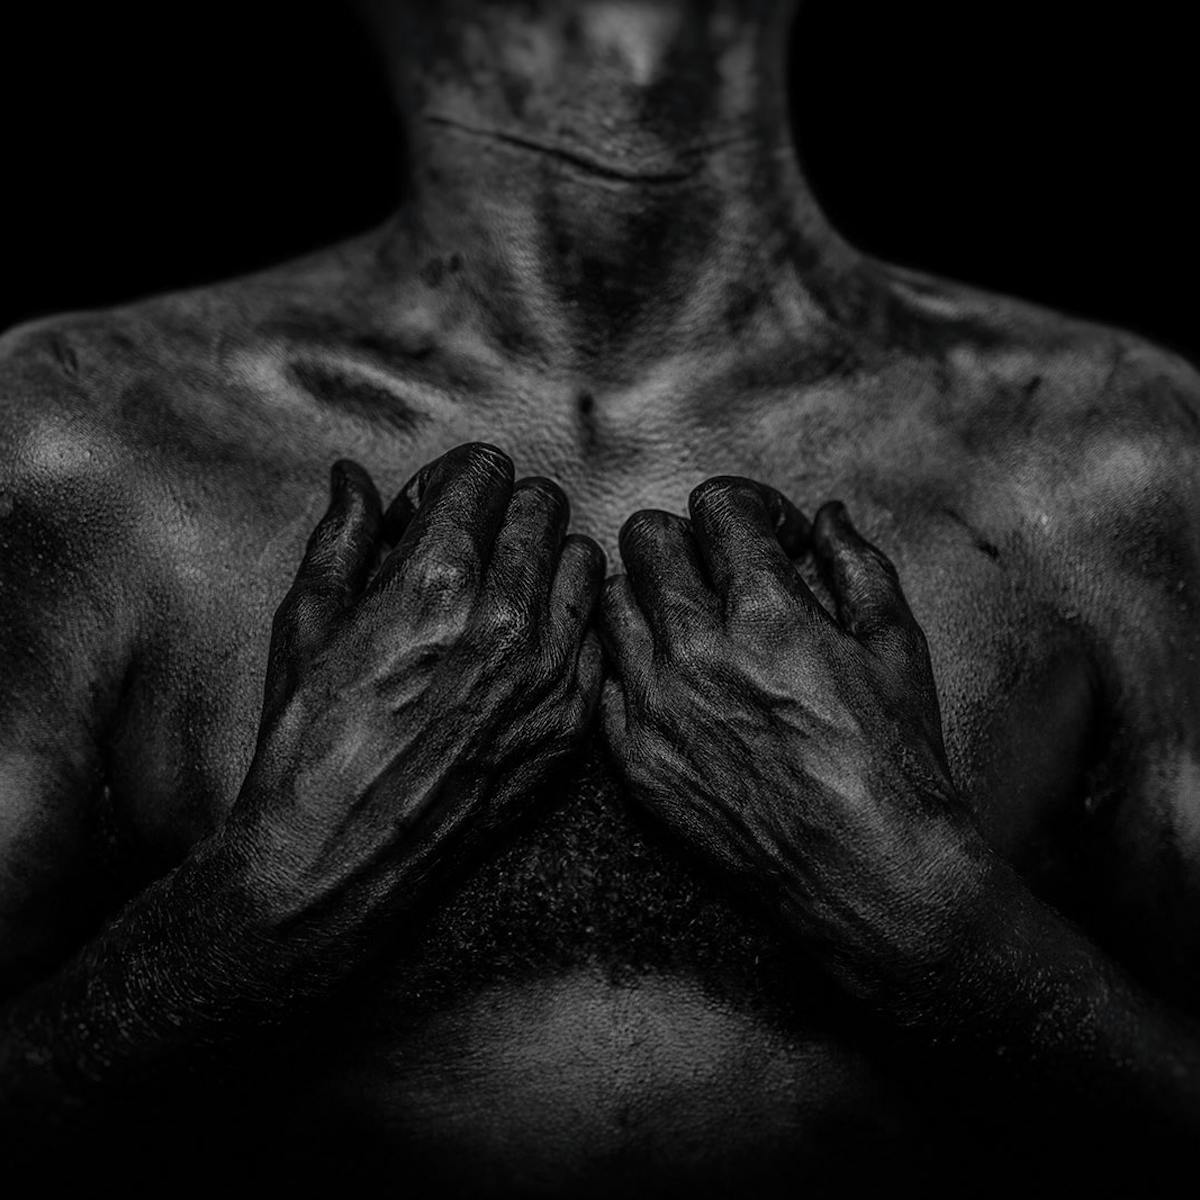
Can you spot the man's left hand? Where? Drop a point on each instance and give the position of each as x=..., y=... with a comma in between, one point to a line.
x=798, y=750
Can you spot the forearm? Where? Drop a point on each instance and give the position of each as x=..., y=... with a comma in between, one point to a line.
x=1050, y=1032
x=168, y=983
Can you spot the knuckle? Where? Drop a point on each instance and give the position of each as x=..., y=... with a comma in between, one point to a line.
x=440, y=576
x=866, y=573
x=324, y=537
x=507, y=620
x=537, y=511
x=485, y=458
x=762, y=605
x=302, y=611
x=326, y=557
x=648, y=525
x=692, y=646
x=614, y=593
x=900, y=641
x=586, y=550
x=538, y=489
x=581, y=565
x=449, y=541
x=299, y=621
x=720, y=489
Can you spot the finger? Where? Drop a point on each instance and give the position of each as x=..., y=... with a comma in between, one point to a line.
x=625, y=635
x=663, y=565
x=336, y=563
x=445, y=519
x=341, y=548
x=589, y=678
x=861, y=578
x=747, y=534
x=526, y=550
x=575, y=590
x=615, y=716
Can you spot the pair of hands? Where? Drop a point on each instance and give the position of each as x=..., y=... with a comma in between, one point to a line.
x=434, y=664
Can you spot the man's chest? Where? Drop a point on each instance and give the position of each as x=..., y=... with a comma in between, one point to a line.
x=585, y=921
x=1010, y=667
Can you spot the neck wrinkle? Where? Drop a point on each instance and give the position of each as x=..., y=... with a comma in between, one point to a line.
x=608, y=208
x=631, y=82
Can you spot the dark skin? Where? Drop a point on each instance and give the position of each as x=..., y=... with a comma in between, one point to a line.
x=481, y=608
x=819, y=778
x=431, y=687
x=848, y=868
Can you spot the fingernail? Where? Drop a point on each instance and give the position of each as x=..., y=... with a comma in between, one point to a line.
x=348, y=473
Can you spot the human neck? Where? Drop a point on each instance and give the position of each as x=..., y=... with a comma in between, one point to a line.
x=605, y=179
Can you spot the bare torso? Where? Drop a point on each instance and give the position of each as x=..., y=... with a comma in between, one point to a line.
x=590, y=1008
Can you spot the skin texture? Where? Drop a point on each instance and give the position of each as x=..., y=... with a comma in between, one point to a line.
x=493, y=607
x=868, y=856
x=820, y=776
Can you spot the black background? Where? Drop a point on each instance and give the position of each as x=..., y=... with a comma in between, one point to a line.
x=1045, y=150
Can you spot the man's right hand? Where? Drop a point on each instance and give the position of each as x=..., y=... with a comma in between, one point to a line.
x=412, y=712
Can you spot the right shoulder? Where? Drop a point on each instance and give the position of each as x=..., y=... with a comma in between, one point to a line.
x=73, y=607
x=134, y=442
x=113, y=424
x=72, y=490
x=55, y=376
x=70, y=479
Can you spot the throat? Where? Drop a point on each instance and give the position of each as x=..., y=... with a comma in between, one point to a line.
x=611, y=181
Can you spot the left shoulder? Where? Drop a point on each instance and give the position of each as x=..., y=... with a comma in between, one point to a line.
x=1120, y=463
x=1080, y=445
x=1111, y=521
x=1049, y=395
x=1088, y=436
x=1143, y=428
x=1038, y=384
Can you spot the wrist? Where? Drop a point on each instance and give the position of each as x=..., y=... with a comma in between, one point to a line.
x=904, y=944
x=206, y=957
x=1005, y=960
x=973, y=908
